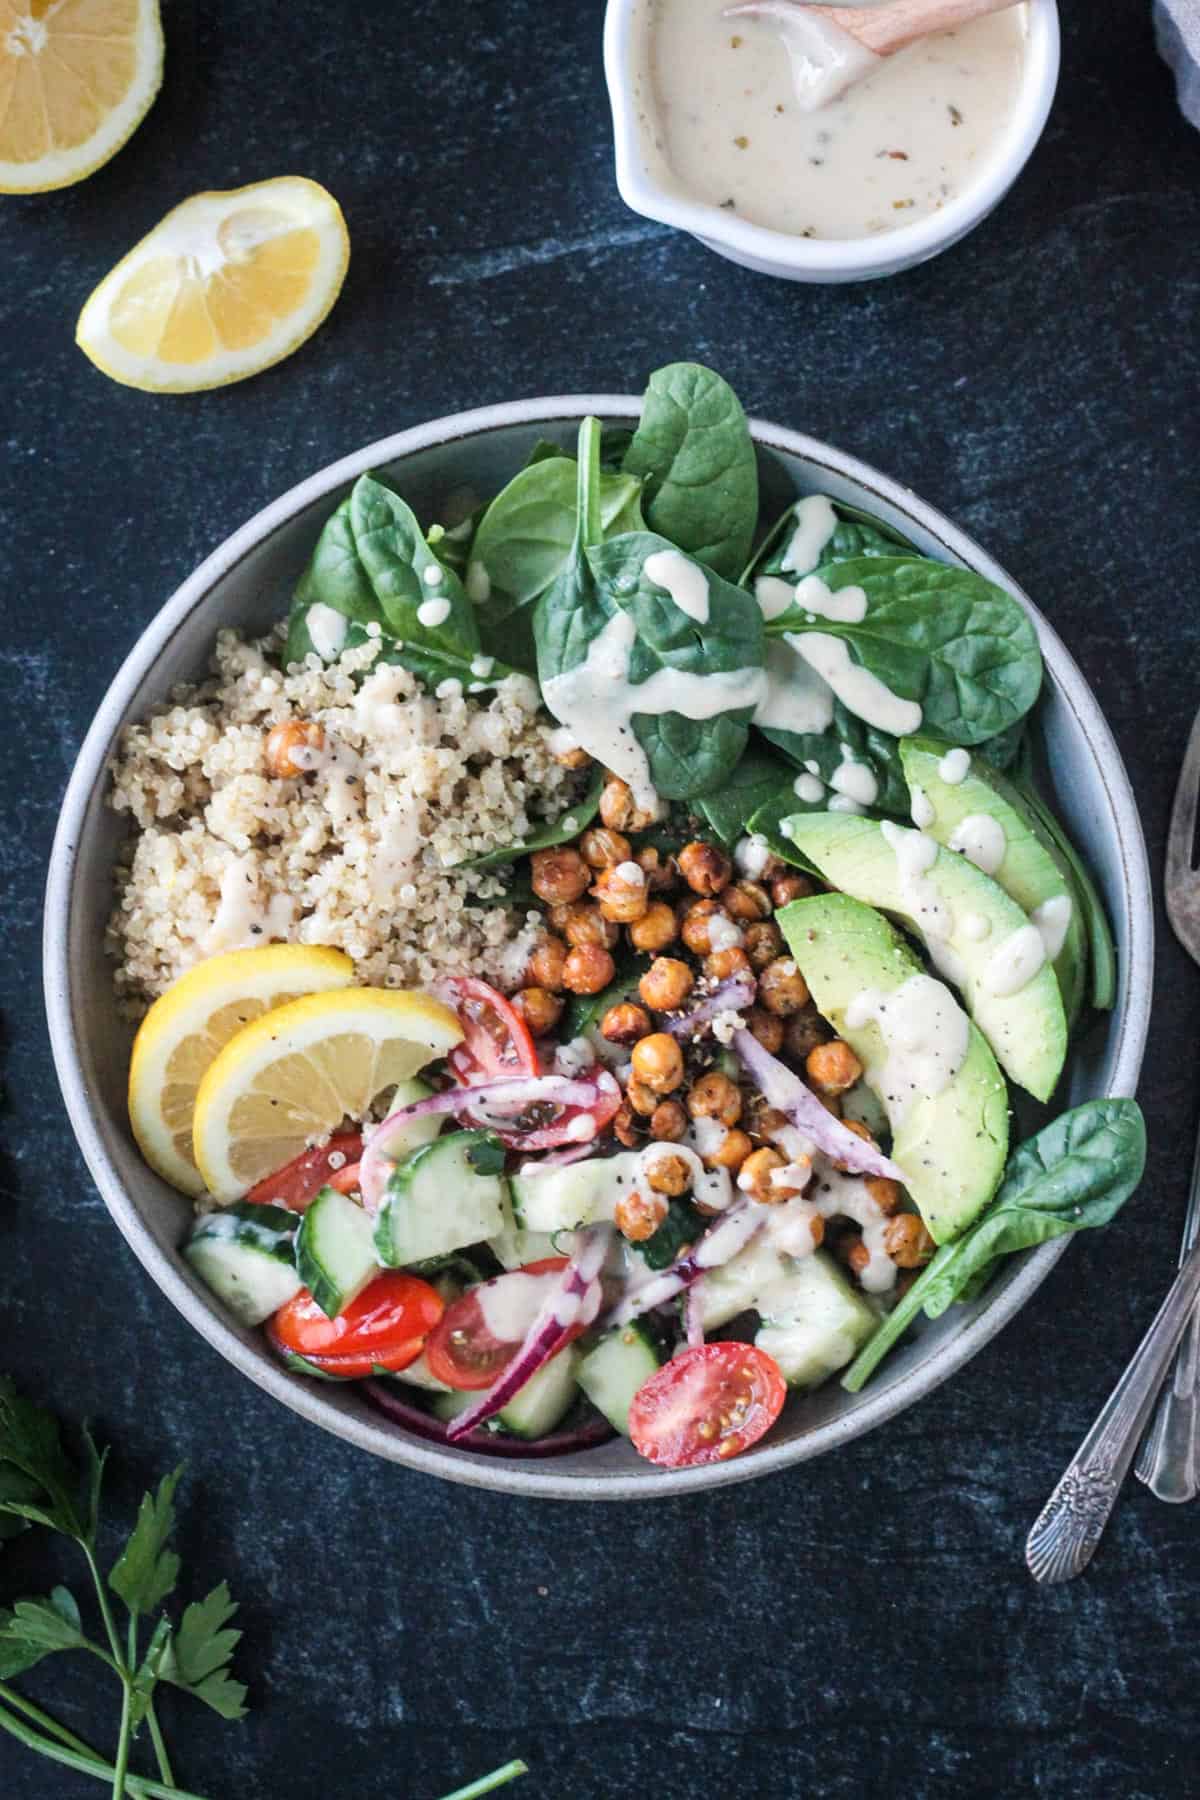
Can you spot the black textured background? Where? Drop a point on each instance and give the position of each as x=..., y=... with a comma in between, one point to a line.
x=863, y=1626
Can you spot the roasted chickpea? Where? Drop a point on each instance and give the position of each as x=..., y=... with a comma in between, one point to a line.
x=666, y=984
x=574, y=758
x=599, y=847
x=668, y=1174
x=546, y=964
x=762, y=942
x=627, y=1127
x=755, y=1177
x=746, y=901
x=696, y=922
x=643, y=1099
x=292, y=748
x=583, y=923
x=705, y=868
x=907, y=1242
x=786, y=888
x=540, y=1009
x=856, y=1256
x=625, y=1023
x=620, y=890
x=832, y=1067
x=883, y=1190
x=803, y=1032
x=668, y=1122
x=660, y=875
x=637, y=1216
x=816, y=1225
x=558, y=876
x=618, y=810
x=766, y=1027
x=782, y=989
x=588, y=969
x=655, y=929
x=714, y=1096
x=658, y=1062
x=730, y=1153
x=767, y=1121
x=721, y=965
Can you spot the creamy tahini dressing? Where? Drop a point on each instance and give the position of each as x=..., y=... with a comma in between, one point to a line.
x=816, y=523
x=795, y=698
x=728, y=107
x=1014, y=962
x=1052, y=919
x=981, y=839
x=926, y=1034
x=855, y=686
x=683, y=579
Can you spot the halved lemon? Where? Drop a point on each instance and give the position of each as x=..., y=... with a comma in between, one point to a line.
x=186, y=1028
x=291, y=1077
x=224, y=286
x=77, y=77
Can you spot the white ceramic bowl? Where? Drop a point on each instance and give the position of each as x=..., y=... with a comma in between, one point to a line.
x=246, y=583
x=648, y=185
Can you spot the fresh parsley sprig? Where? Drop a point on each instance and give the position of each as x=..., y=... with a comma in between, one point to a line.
x=40, y=1484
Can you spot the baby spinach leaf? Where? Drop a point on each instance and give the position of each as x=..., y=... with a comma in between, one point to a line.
x=558, y=831
x=756, y=779
x=1003, y=750
x=432, y=666
x=688, y=757
x=451, y=544
x=336, y=576
x=1075, y=1174
x=694, y=452
x=767, y=822
x=682, y=1226
x=878, y=749
x=939, y=635
x=570, y=613
x=525, y=538
x=856, y=534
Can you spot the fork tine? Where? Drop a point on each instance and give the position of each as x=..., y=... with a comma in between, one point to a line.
x=1182, y=885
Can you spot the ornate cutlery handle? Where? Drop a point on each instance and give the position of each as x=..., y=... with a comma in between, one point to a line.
x=1169, y=1462
x=1069, y=1526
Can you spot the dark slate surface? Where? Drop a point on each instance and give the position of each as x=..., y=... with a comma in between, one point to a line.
x=864, y=1626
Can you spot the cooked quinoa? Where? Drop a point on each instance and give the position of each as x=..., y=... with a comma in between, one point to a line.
x=356, y=852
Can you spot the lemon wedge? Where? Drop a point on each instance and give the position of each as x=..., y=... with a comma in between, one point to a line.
x=224, y=286
x=292, y=1076
x=185, y=1029
x=77, y=77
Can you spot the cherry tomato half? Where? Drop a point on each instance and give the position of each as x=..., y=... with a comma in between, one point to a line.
x=706, y=1405
x=465, y=1350
x=496, y=1042
x=385, y=1327
x=300, y=1181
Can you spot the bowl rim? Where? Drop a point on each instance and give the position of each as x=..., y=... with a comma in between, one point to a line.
x=884, y=1398
x=834, y=257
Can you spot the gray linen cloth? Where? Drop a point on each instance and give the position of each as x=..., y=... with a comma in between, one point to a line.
x=1177, y=28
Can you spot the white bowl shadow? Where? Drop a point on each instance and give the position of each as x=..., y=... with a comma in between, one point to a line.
x=245, y=583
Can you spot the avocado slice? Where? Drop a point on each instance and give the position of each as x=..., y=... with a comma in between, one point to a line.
x=975, y=935
x=1029, y=870
x=948, y=1110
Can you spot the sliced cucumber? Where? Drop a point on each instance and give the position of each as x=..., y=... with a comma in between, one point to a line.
x=335, y=1252
x=438, y=1200
x=245, y=1253
x=407, y=1138
x=513, y=1247
x=813, y=1321
x=613, y=1370
x=734, y=1288
x=534, y=1409
x=580, y=1194
x=417, y=1375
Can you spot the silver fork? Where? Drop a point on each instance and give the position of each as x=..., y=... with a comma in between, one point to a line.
x=1169, y=1462
x=1067, y=1530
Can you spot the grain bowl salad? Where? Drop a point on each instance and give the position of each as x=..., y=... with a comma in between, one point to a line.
x=585, y=956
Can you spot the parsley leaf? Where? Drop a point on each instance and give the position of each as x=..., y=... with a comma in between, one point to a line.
x=146, y=1571
x=197, y=1658
x=486, y=1156
x=29, y=1439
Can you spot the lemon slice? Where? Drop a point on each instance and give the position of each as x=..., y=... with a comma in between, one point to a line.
x=224, y=286
x=77, y=77
x=291, y=1077
x=184, y=1030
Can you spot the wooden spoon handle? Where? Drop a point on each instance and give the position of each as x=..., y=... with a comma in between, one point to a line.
x=885, y=29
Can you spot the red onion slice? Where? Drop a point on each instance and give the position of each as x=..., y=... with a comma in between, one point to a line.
x=575, y=1300
x=731, y=996
x=788, y=1094
x=519, y=1091
x=585, y=1436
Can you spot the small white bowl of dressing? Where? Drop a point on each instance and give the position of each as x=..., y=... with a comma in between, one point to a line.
x=711, y=136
